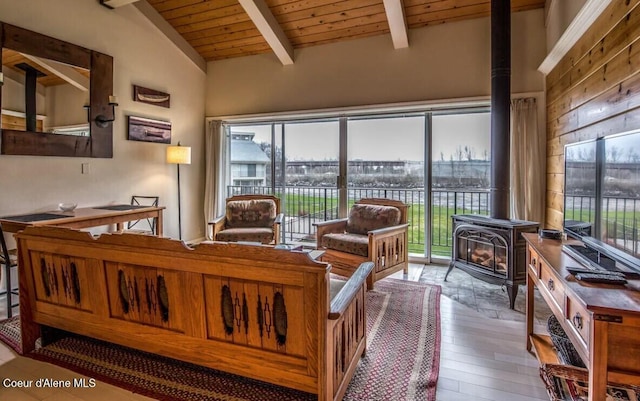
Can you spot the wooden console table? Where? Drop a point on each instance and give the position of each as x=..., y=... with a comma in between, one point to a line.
x=85, y=217
x=601, y=320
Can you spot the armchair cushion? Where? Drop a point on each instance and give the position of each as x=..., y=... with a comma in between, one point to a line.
x=255, y=234
x=364, y=218
x=356, y=244
x=251, y=214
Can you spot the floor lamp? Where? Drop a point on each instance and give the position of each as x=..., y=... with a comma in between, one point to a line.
x=179, y=155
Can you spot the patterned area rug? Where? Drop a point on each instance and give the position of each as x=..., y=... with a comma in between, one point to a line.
x=401, y=362
x=10, y=333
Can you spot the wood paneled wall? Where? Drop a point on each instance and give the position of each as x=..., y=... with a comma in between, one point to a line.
x=592, y=92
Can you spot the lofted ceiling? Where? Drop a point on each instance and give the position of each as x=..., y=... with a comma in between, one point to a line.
x=219, y=29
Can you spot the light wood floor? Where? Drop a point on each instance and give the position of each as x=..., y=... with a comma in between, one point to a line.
x=481, y=359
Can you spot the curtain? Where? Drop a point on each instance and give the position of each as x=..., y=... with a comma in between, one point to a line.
x=528, y=152
x=215, y=172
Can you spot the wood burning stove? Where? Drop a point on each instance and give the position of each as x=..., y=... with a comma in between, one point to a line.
x=491, y=250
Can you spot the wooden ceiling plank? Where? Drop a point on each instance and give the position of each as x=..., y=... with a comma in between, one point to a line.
x=325, y=20
x=218, y=22
x=522, y=5
x=446, y=20
x=335, y=35
x=476, y=11
x=252, y=36
x=466, y=9
x=198, y=8
x=397, y=23
x=206, y=15
x=166, y=5
x=321, y=13
x=268, y=26
x=297, y=34
x=443, y=4
x=221, y=30
x=256, y=40
x=415, y=7
x=237, y=51
x=420, y=7
x=302, y=9
x=66, y=73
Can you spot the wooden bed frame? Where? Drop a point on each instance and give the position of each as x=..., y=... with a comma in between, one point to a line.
x=198, y=305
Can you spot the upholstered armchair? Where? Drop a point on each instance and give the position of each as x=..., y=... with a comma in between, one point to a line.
x=250, y=218
x=376, y=230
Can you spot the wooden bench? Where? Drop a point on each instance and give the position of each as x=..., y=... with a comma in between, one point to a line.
x=254, y=311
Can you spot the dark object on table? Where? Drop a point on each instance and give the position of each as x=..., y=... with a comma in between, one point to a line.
x=550, y=234
x=120, y=207
x=566, y=351
x=601, y=278
x=35, y=217
x=578, y=270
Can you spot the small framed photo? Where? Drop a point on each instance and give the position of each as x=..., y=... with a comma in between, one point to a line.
x=149, y=130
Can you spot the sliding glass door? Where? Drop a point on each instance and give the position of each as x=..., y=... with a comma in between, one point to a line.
x=309, y=183
x=437, y=162
x=385, y=159
x=460, y=172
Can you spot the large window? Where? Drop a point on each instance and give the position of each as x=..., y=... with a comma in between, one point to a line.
x=385, y=159
x=250, y=158
x=437, y=162
x=460, y=172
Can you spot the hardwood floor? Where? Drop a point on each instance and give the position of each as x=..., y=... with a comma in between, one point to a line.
x=485, y=360
x=482, y=358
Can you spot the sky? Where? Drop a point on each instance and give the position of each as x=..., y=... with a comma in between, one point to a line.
x=399, y=138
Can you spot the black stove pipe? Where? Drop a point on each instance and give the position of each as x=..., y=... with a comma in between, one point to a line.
x=500, y=107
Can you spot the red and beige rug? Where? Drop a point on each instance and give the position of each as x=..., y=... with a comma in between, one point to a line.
x=401, y=362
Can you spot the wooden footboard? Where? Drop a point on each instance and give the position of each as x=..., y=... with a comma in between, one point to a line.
x=254, y=311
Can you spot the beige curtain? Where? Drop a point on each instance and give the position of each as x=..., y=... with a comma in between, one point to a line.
x=215, y=172
x=528, y=150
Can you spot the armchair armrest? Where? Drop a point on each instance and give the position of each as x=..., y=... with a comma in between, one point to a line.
x=217, y=225
x=388, y=230
x=279, y=218
x=329, y=226
x=343, y=299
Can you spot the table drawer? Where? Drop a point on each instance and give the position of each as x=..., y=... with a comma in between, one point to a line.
x=579, y=318
x=534, y=260
x=552, y=284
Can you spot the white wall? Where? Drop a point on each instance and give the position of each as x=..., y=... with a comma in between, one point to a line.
x=65, y=105
x=13, y=98
x=559, y=15
x=444, y=61
x=144, y=57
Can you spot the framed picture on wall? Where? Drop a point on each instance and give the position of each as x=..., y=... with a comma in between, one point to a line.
x=149, y=130
x=151, y=96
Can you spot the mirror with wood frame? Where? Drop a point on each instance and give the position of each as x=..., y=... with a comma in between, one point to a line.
x=27, y=57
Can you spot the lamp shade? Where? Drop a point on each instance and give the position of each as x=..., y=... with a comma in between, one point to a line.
x=179, y=154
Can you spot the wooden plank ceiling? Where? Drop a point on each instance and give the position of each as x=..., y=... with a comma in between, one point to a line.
x=220, y=29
